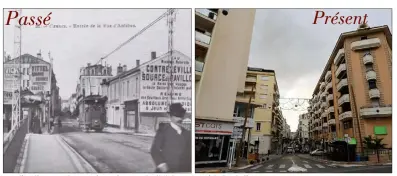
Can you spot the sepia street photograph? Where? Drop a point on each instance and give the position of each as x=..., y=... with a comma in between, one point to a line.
x=293, y=90
x=97, y=91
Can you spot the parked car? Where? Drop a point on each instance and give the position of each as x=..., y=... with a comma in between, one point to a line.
x=290, y=150
x=317, y=152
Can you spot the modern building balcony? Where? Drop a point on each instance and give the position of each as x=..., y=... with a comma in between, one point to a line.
x=330, y=109
x=203, y=39
x=322, y=85
x=323, y=94
x=374, y=93
x=325, y=125
x=368, y=59
x=319, y=128
x=250, y=79
x=328, y=76
x=339, y=56
x=345, y=116
x=205, y=18
x=342, y=67
x=330, y=97
x=324, y=105
x=371, y=75
x=365, y=44
x=375, y=112
x=328, y=86
x=331, y=122
x=342, y=83
x=343, y=99
x=199, y=67
x=324, y=114
x=249, y=89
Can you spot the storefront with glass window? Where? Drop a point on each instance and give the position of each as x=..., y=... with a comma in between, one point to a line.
x=212, y=141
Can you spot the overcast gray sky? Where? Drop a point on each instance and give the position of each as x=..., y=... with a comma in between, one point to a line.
x=73, y=48
x=286, y=40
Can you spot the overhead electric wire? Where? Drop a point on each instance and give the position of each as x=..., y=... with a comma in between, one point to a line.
x=137, y=34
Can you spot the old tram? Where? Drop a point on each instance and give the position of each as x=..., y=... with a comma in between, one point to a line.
x=92, y=114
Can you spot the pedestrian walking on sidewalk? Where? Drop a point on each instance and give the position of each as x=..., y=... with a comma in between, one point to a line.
x=171, y=148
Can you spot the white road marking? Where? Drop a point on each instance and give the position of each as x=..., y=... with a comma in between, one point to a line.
x=269, y=171
x=320, y=166
x=256, y=167
x=282, y=166
x=306, y=161
x=307, y=166
x=269, y=166
x=283, y=171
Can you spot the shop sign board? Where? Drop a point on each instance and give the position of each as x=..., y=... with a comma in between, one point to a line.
x=159, y=77
x=40, y=78
x=213, y=127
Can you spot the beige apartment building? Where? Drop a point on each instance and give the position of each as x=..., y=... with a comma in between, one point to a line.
x=353, y=98
x=267, y=128
x=223, y=39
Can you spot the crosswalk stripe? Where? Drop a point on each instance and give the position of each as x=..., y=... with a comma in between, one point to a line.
x=270, y=166
x=307, y=166
x=305, y=161
x=282, y=166
x=320, y=166
x=256, y=167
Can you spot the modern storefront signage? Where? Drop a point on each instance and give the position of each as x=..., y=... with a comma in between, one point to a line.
x=158, y=78
x=213, y=127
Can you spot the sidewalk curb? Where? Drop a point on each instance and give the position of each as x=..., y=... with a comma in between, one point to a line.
x=83, y=165
x=21, y=161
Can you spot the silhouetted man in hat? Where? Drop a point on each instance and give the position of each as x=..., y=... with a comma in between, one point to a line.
x=171, y=148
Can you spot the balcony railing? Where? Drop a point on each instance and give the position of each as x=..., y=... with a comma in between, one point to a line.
x=330, y=109
x=368, y=59
x=371, y=75
x=331, y=122
x=342, y=67
x=199, y=66
x=346, y=115
x=329, y=86
x=250, y=79
x=374, y=93
x=328, y=76
x=343, y=99
x=203, y=38
x=330, y=97
x=207, y=13
x=339, y=55
x=342, y=83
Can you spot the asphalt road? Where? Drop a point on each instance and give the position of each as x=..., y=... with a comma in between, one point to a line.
x=110, y=152
x=292, y=163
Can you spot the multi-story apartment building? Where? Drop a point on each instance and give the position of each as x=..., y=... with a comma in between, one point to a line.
x=91, y=78
x=223, y=39
x=261, y=85
x=353, y=98
x=303, y=130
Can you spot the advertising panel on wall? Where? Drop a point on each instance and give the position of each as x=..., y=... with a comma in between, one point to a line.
x=213, y=127
x=156, y=78
x=11, y=74
x=40, y=78
x=7, y=97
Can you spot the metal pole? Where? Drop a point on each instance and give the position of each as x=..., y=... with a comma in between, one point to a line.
x=357, y=119
x=241, y=145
